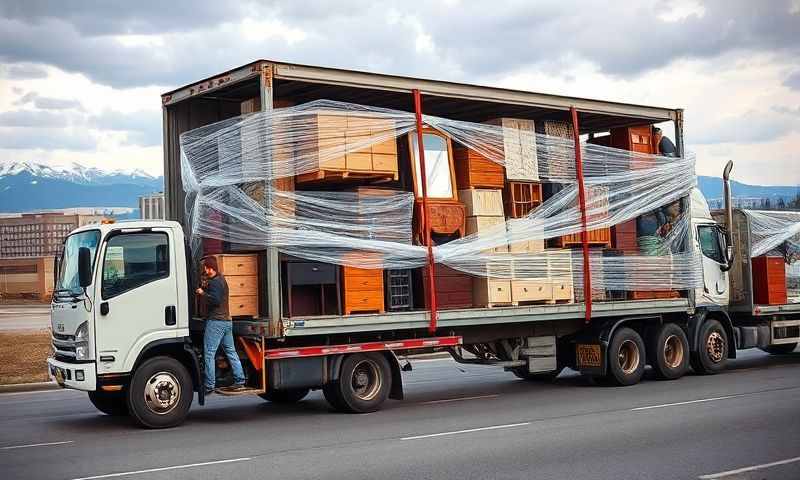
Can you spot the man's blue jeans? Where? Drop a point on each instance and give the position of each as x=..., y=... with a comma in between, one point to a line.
x=220, y=331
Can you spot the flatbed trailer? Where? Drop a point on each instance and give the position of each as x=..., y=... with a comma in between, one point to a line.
x=147, y=361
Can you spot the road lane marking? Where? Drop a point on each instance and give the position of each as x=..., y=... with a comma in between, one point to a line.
x=14, y=447
x=712, y=476
x=161, y=469
x=688, y=402
x=470, y=430
x=459, y=399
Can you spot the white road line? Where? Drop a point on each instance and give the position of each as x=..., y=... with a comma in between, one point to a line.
x=14, y=447
x=470, y=430
x=459, y=399
x=688, y=402
x=712, y=476
x=175, y=467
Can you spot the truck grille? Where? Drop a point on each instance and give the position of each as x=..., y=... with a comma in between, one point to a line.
x=64, y=346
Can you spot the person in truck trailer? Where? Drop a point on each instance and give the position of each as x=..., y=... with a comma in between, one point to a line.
x=219, y=327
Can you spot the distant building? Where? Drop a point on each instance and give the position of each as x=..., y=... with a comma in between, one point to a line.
x=151, y=207
x=39, y=234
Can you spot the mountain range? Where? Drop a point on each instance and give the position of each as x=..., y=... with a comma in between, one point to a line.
x=29, y=186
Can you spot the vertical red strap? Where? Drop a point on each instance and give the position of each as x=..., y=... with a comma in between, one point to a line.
x=587, y=276
x=425, y=211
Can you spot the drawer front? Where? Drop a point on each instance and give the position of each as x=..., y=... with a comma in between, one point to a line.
x=482, y=202
x=369, y=281
x=238, y=264
x=243, y=305
x=242, y=285
x=446, y=219
x=384, y=162
x=492, y=291
x=359, y=161
x=363, y=301
x=311, y=273
x=562, y=290
x=531, y=290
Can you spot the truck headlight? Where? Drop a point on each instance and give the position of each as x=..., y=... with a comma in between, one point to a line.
x=82, y=333
x=82, y=352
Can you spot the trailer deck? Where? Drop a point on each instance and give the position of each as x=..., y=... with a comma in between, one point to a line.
x=414, y=320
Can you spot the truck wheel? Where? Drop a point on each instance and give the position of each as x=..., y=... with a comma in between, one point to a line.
x=712, y=350
x=160, y=393
x=110, y=403
x=669, y=351
x=523, y=373
x=780, y=349
x=365, y=380
x=292, y=395
x=626, y=358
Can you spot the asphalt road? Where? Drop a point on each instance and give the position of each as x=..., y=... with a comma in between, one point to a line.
x=24, y=317
x=456, y=422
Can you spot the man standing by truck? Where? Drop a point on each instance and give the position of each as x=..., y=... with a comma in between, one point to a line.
x=218, y=327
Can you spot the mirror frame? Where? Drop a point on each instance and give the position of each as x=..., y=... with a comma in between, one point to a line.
x=412, y=156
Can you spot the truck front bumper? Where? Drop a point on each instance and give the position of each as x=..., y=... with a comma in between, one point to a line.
x=79, y=376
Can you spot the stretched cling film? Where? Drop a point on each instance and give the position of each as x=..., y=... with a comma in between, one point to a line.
x=230, y=171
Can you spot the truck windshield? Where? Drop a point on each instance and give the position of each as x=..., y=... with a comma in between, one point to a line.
x=68, y=284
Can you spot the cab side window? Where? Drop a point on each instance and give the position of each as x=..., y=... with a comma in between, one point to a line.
x=132, y=260
x=709, y=242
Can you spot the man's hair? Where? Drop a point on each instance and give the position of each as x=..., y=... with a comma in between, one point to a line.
x=656, y=130
x=210, y=262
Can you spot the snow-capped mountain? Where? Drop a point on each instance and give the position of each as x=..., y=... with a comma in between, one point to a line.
x=30, y=186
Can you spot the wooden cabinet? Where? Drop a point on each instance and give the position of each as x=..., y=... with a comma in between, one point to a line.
x=559, y=165
x=312, y=288
x=489, y=292
x=446, y=218
x=363, y=290
x=487, y=225
x=519, y=148
x=241, y=273
x=769, y=280
x=453, y=288
x=473, y=170
x=482, y=202
x=523, y=246
x=521, y=198
x=552, y=286
x=340, y=146
x=599, y=237
x=636, y=139
x=399, y=290
x=623, y=237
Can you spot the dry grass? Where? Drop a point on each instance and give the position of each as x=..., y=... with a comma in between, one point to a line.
x=23, y=356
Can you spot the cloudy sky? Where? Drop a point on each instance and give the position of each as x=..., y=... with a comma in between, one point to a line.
x=80, y=81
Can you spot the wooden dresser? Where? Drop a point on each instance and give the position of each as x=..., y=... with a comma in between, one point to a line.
x=363, y=290
x=241, y=273
x=473, y=170
x=453, y=288
x=769, y=280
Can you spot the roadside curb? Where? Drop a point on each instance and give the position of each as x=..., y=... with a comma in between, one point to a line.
x=29, y=387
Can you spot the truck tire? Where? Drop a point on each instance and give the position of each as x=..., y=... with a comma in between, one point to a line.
x=712, y=349
x=669, y=352
x=292, y=395
x=626, y=358
x=365, y=380
x=780, y=349
x=110, y=403
x=523, y=373
x=160, y=393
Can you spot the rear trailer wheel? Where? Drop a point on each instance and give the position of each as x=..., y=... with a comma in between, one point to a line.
x=669, y=352
x=626, y=358
x=160, y=393
x=712, y=350
x=781, y=349
x=292, y=395
x=365, y=380
x=110, y=403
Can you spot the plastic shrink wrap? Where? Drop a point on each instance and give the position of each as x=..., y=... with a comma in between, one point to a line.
x=232, y=173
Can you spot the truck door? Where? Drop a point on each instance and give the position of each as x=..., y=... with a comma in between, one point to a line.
x=715, y=280
x=136, y=303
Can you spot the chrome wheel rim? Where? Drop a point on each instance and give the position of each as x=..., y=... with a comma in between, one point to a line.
x=673, y=351
x=161, y=393
x=366, y=380
x=628, y=357
x=715, y=346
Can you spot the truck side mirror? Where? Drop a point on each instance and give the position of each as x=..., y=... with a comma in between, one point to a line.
x=84, y=267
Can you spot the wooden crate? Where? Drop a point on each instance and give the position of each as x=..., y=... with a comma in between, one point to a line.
x=481, y=225
x=341, y=143
x=473, y=170
x=769, y=280
x=27, y=277
x=524, y=246
x=519, y=148
x=652, y=294
x=362, y=290
x=482, y=202
x=489, y=292
x=241, y=274
x=520, y=198
x=453, y=288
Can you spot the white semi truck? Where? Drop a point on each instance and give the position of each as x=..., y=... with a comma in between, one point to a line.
x=125, y=331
